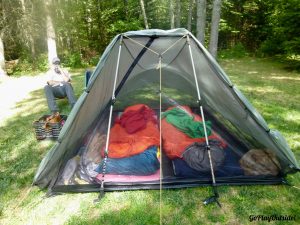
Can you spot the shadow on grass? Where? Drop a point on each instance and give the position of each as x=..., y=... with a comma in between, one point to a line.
x=20, y=152
x=21, y=155
x=143, y=207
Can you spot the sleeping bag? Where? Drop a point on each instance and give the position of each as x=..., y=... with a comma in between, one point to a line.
x=175, y=141
x=133, y=132
x=145, y=163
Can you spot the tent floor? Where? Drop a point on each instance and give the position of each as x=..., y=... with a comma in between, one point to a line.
x=171, y=180
x=167, y=184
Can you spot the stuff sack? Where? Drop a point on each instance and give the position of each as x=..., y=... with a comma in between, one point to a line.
x=259, y=162
x=196, y=156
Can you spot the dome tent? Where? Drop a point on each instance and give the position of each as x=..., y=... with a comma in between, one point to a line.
x=160, y=69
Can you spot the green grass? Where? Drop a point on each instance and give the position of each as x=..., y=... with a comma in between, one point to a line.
x=273, y=91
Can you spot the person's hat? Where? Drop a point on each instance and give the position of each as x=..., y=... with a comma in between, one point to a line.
x=55, y=60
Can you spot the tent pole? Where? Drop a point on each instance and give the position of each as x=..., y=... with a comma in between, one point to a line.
x=214, y=184
x=113, y=100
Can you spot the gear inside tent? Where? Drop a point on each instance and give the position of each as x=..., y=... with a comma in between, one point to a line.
x=159, y=112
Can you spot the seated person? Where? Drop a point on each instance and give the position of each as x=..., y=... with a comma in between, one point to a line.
x=58, y=86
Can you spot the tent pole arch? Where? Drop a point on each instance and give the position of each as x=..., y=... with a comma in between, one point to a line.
x=203, y=122
x=113, y=98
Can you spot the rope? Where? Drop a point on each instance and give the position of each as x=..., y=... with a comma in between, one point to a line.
x=160, y=144
x=171, y=46
x=158, y=54
x=134, y=41
x=23, y=198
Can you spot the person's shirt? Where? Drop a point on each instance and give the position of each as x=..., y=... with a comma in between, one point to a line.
x=58, y=75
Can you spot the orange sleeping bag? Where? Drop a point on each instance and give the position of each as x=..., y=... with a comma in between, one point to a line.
x=134, y=132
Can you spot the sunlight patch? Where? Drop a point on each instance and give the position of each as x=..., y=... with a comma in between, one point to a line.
x=285, y=78
x=22, y=87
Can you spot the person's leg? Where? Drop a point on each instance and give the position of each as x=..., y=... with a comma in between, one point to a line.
x=70, y=93
x=49, y=92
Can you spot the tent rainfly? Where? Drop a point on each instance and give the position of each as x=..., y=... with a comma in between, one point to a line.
x=159, y=112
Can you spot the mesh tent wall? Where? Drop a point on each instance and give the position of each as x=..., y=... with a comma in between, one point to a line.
x=135, y=57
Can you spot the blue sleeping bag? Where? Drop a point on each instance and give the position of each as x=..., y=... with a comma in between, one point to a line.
x=145, y=163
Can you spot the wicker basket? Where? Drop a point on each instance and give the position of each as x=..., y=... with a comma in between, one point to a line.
x=51, y=131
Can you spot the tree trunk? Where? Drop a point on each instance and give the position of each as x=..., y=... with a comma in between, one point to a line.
x=178, y=13
x=144, y=14
x=189, y=22
x=172, y=16
x=28, y=32
x=2, y=59
x=50, y=34
x=201, y=19
x=214, y=33
x=23, y=5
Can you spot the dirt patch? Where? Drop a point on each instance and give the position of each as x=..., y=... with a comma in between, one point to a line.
x=14, y=90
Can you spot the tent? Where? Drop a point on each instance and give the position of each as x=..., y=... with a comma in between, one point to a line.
x=159, y=112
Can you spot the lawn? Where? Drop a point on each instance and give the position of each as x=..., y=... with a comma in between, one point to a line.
x=273, y=90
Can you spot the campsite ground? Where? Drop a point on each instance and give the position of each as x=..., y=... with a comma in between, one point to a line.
x=273, y=90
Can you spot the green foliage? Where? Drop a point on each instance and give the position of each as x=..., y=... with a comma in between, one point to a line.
x=271, y=46
x=41, y=63
x=93, y=61
x=73, y=60
x=84, y=28
x=121, y=26
x=237, y=51
x=23, y=66
x=284, y=35
x=245, y=22
x=28, y=66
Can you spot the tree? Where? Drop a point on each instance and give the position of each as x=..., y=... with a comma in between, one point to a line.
x=27, y=27
x=51, y=43
x=214, y=33
x=172, y=16
x=284, y=36
x=201, y=19
x=2, y=59
x=178, y=13
x=144, y=14
x=190, y=12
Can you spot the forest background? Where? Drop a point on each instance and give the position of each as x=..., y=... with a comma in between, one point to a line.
x=257, y=42
x=33, y=31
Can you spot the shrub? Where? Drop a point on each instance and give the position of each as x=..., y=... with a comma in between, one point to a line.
x=237, y=51
x=73, y=60
x=41, y=63
x=25, y=65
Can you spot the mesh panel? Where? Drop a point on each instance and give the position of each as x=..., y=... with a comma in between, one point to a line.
x=239, y=146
